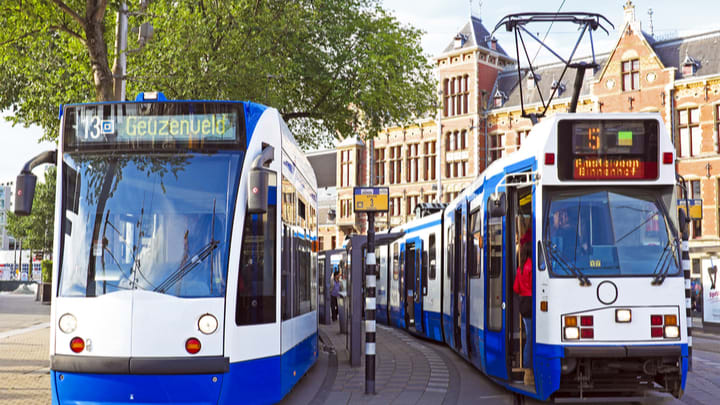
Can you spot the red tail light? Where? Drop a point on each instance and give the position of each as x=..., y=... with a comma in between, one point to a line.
x=586, y=320
x=656, y=332
x=77, y=344
x=587, y=333
x=656, y=320
x=549, y=159
x=192, y=345
x=668, y=158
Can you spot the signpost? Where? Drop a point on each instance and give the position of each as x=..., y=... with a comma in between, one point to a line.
x=370, y=200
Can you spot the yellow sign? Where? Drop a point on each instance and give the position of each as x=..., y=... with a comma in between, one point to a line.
x=694, y=206
x=371, y=199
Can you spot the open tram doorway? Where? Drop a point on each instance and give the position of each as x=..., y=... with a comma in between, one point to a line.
x=415, y=273
x=520, y=238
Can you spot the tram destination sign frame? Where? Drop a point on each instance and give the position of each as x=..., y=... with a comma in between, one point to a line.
x=371, y=199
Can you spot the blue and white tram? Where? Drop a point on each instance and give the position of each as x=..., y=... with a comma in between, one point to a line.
x=185, y=260
x=594, y=195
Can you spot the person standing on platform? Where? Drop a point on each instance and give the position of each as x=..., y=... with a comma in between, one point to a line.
x=334, y=294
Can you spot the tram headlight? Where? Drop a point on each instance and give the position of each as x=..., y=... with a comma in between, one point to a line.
x=67, y=323
x=572, y=332
x=623, y=315
x=207, y=324
x=672, y=332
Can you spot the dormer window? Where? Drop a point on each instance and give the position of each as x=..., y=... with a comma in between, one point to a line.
x=559, y=86
x=459, y=40
x=531, y=79
x=689, y=66
x=499, y=99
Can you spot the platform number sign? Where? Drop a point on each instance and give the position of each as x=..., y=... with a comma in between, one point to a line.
x=370, y=199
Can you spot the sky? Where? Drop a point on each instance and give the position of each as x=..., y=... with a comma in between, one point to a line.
x=441, y=20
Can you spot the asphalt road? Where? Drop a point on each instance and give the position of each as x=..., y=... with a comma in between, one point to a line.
x=18, y=311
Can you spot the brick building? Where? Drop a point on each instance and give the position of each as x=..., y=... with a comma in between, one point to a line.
x=481, y=120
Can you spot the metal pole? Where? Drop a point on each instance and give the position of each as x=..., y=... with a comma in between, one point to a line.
x=685, y=256
x=439, y=151
x=370, y=303
x=120, y=68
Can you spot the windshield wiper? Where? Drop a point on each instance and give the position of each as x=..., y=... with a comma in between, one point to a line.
x=187, y=266
x=665, y=260
x=556, y=256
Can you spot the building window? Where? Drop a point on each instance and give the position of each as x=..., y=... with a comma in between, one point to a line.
x=689, y=128
x=429, y=160
x=321, y=242
x=696, y=194
x=412, y=163
x=394, y=165
x=631, y=74
x=394, y=208
x=496, y=146
x=333, y=241
x=456, y=95
x=345, y=164
x=521, y=136
x=345, y=208
x=379, y=163
x=412, y=202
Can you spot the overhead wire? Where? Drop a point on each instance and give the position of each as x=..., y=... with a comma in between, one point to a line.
x=547, y=32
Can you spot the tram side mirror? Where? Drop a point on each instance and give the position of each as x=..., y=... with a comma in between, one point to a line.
x=684, y=223
x=24, y=193
x=497, y=204
x=258, y=191
x=542, y=264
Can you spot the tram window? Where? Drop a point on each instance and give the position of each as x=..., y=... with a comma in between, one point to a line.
x=256, y=280
x=425, y=271
x=475, y=245
x=432, y=263
x=495, y=271
x=396, y=262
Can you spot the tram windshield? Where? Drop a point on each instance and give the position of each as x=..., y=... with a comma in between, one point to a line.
x=611, y=232
x=155, y=222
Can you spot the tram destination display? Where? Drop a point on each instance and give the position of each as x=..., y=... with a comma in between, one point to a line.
x=607, y=150
x=152, y=125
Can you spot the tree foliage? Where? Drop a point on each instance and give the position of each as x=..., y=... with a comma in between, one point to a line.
x=332, y=67
x=37, y=229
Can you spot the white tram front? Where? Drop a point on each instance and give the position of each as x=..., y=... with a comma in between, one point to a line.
x=185, y=259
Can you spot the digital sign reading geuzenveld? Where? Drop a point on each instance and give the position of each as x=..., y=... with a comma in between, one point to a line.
x=151, y=125
x=607, y=150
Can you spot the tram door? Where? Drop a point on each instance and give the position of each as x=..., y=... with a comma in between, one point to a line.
x=495, y=325
x=410, y=264
x=458, y=291
x=420, y=288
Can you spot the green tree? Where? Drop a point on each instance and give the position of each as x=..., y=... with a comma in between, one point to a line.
x=37, y=229
x=331, y=67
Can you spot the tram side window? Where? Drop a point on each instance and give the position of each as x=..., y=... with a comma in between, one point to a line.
x=450, y=251
x=396, y=262
x=433, y=265
x=285, y=271
x=256, y=281
x=475, y=246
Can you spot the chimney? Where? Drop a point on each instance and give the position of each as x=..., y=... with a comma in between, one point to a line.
x=459, y=41
x=629, y=12
x=493, y=43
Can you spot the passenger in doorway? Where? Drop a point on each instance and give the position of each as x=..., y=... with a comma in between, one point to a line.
x=334, y=294
x=523, y=287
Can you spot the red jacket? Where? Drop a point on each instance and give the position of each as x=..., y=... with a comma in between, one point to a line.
x=523, y=279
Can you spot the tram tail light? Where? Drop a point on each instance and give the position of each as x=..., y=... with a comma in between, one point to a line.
x=571, y=321
x=656, y=332
x=587, y=333
x=656, y=320
x=670, y=320
x=668, y=158
x=549, y=159
x=544, y=306
x=77, y=344
x=192, y=345
x=586, y=320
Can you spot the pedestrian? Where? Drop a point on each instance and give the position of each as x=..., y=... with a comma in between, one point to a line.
x=335, y=289
x=523, y=287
